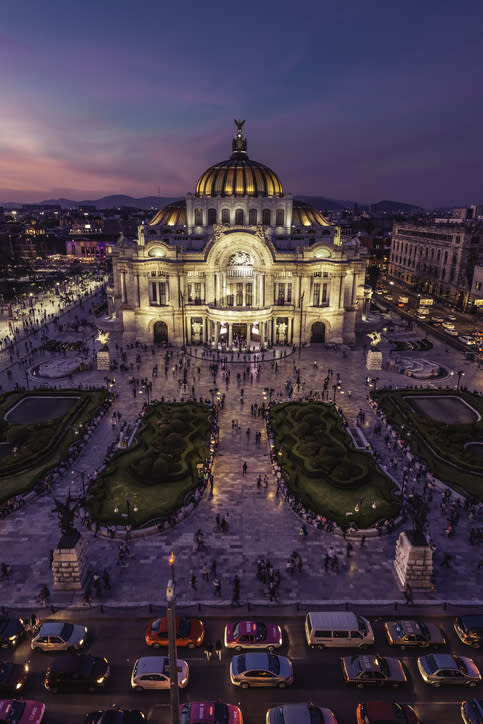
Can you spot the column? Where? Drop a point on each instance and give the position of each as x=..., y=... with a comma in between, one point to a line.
x=249, y=334
x=230, y=334
x=261, y=327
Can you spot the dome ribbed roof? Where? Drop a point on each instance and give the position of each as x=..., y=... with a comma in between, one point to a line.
x=171, y=215
x=239, y=176
x=305, y=215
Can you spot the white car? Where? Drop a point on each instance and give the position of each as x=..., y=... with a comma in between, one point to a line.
x=152, y=672
x=448, y=325
x=468, y=340
x=59, y=636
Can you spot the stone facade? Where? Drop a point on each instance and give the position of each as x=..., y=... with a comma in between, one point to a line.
x=413, y=561
x=70, y=565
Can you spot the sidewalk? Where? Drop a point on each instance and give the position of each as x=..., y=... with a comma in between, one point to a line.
x=261, y=525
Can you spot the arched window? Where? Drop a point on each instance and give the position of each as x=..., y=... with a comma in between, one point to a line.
x=280, y=217
x=266, y=217
x=211, y=217
x=252, y=217
x=198, y=217
x=225, y=216
x=239, y=216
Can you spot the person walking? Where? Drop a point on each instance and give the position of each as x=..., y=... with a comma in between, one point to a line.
x=217, y=585
x=209, y=651
x=106, y=579
x=244, y=468
x=218, y=649
x=408, y=594
x=5, y=572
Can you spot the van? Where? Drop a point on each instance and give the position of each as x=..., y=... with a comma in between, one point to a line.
x=470, y=630
x=335, y=628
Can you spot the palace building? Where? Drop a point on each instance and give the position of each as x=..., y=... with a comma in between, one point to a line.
x=238, y=264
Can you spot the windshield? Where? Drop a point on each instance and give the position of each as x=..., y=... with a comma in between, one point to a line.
x=16, y=710
x=356, y=665
x=221, y=713
x=155, y=626
x=430, y=664
x=273, y=664
x=315, y=715
x=362, y=625
x=66, y=632
x=184, y=626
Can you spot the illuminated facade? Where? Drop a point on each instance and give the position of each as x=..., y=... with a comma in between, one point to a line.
x=238, y=264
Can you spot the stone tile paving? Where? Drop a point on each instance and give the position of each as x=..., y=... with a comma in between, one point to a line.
x=260, y=524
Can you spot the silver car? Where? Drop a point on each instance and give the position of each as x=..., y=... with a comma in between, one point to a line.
x=152, y=672
x=259, y=669
x=437, y=669
x=59, y=636
x=300, y=714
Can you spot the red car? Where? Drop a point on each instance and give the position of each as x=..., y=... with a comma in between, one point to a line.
x=14, y=711
x=374, y=712
x=190, y=632
x=210, y=712
x=253, y=635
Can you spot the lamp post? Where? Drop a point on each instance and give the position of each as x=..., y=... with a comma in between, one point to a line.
x=83, y=480
x=128, y=508
x=460, y=375
x=374, y=381
x=181, y=295
x=173, y=663
x=300, y=325
x=334, y=387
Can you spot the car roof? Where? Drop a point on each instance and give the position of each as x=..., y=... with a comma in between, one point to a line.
x=380, y=709
x=69, y=662
x=445, y=661
x=296, y=714
x=409, y=626
x=256, y=660
x=51, y=628
x=153, y=665
x=247, y=627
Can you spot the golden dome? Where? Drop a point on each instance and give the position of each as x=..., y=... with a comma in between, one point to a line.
x=305, y=215
x=239, y=176
x=173, y=214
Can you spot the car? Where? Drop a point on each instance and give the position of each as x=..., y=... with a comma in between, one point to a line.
x=27, y=711
x=372, y=671
x=300, y=714
x=440, y=320
x=152, y=672
x=469, y=630
x=452, y=332
x=115, y=716
x=388, y=297
x=253, y=635
x=408, y=633
x=259, y=669
x=190, y=632
x=13, y=676
x=77, y=671
x=210, y=712
x=451, y=318
x=59, y=636
x=448, y=325
x=470, y=341
x=12, y=631
x=472, y=711
x=437, y=669
x=385, y=712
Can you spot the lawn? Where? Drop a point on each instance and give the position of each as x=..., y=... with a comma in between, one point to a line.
x=42, y=445
x=158, y=471
x=440, y=444
x=325, y=471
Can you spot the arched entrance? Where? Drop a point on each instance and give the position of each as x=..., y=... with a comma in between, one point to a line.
x=160, y=333
x=318, y=332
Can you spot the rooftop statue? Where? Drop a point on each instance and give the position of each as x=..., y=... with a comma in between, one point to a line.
x=375, y=338
x=102, y=337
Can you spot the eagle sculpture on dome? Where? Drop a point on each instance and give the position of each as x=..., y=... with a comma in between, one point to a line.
x=239, y=124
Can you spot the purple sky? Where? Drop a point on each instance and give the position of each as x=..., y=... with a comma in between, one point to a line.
x=363, y=100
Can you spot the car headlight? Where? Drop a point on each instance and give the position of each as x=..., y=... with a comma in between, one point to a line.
x=26, y=667
x=280, y=641
x=183, y=682
x=19, y=685
x=12, y=638
x=101, y=680
x=82, y=642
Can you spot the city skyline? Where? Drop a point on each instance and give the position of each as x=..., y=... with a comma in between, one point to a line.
x=358, y=102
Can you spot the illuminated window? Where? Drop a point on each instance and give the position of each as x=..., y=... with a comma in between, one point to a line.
x=198, y=217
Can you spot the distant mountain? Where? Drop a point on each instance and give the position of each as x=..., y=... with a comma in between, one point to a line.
x=106, y=202
x=395, y=207
x=321, y=202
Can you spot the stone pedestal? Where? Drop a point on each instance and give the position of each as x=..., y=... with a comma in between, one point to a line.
x=103, y=360
x=413, y=561
x=374, y=360
x=69, y=565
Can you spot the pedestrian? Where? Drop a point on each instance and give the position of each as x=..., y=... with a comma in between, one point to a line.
x=244, y=467
x=204, y=572
x=44, y=595
x=33, y=622
x=213, y=568
x=363, y=541
x=106, y=580
x=446, y=560
x=209, y=651
x=348, y=549
x=193, y=581
x=326, y=562
x=5, y=571
x=218, y=649
x=217, y=585
x=408, y=594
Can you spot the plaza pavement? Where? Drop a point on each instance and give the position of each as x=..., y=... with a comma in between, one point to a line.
x=261, y=525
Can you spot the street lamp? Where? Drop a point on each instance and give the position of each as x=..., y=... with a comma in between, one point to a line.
x=173, y=663
x=301, y=317
x=128, y=508
x=460, y=375
x=334, y=387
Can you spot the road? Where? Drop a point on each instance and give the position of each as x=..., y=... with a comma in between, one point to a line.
x=317, y=673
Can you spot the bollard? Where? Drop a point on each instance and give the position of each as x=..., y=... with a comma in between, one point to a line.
x=102, y=608
x=248, y=606
x=395, y=605
x=347, y=605
x=199, y=607
x=298, y=608
x=445, y=606
x=150, y=607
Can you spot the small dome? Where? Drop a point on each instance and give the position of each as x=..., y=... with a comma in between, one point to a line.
x=305, y=215
x=239, y=176
x=171, y=215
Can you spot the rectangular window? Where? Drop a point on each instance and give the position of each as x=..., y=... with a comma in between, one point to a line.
x=324, y=293
x=197, y=292
x=249, y=294
x=154, y=295
x=281, y=293
x=239, y=295
x=316, y=295
x=229, y=300
x=162, y=292
x=289, y=293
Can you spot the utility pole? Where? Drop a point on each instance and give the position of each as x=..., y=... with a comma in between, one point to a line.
x=173, y=663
